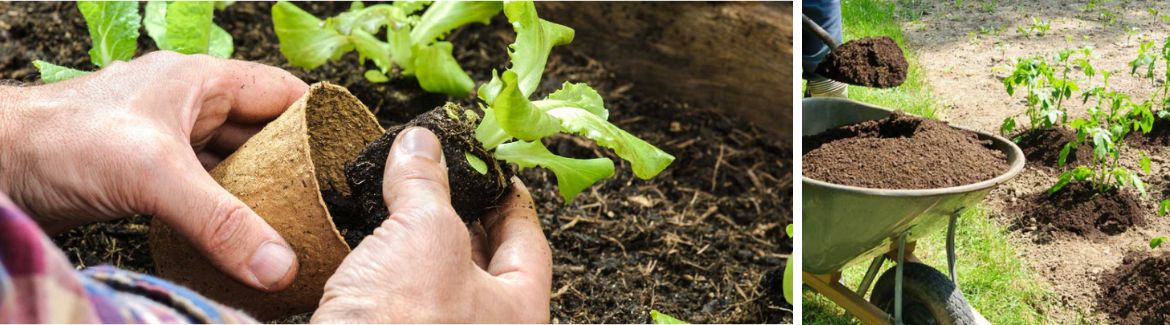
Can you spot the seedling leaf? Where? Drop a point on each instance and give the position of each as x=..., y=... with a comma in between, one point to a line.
x=576, y=95
x=788, y=288
x=113, y=27
x=476, y=163
x=51, y=73
x=518, y=116
x=1163, y=207
x=1009, y=124
x=661, y=318
x=188, y=28
x=573, y=175
x=1064, y=153
x=535, y=38
x=302, y=40
x=444, y=16
x=1144, y=162
x=1157, y=241
x=489, y=132
x=438, y=72
x=1065, y=177
x=376, y=76
x=645, y=159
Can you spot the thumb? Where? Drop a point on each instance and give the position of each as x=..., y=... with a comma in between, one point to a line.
x=233, y=237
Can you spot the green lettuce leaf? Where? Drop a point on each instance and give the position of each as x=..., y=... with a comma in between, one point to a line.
x=489, y=132
x=575, y=95
x=221, y=5
x=535, y=38
x=573, y=175
x=438, y=72
x=51, y=73
x=304, y=40
x=113, y=27
x=156, y=23
x=375, y=76
x=476, y=163
x=661, y=318
x=488, y=92
x=370, y=47
x=371, y=19
x=518, y=116
x=646, y=159
x=409, y=7
x=188, y=26
x=444, y=16
x=788, y=288
x=221, y=43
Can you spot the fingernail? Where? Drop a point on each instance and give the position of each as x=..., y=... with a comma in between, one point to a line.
x=420, y=142
x=271, y=263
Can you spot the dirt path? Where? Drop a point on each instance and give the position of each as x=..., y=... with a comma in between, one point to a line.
x=966, y=69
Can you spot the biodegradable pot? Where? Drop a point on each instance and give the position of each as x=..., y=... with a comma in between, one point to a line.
x=280, y=173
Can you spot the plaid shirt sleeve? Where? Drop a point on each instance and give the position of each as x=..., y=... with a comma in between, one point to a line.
x=38, y=285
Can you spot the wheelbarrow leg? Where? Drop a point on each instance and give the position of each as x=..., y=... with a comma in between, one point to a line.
x=870, y=274
x=951, y=246
x=898, y=279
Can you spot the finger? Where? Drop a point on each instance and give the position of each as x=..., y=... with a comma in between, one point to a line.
x=231, y=136
x=479, y=245
x=259, y=93
x=518, y=247
x=416, y=174
x=236, y=240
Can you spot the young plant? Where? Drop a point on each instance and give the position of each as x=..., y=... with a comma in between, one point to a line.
x=660, y=318
x=1163, y=208
x=414, y=43
x=1034, y=75
x=1105, y=132
x=113, y=28
x=513, y=125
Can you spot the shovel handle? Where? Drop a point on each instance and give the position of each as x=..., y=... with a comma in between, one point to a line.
x=812, y=26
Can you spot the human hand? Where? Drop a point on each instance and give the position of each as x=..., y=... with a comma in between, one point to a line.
x=137, y=137
x=424, y=265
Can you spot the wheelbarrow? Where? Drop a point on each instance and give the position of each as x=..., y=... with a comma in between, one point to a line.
x=846, y=225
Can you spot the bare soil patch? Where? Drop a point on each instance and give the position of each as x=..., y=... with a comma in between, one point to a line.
x=1079, y=210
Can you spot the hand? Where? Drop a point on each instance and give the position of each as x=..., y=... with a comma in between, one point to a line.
x=423, y=265
x=137, y=137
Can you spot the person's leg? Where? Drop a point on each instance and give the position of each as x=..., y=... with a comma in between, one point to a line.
x=827, y=14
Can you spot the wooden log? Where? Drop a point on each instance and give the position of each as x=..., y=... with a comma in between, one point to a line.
x=733, y=55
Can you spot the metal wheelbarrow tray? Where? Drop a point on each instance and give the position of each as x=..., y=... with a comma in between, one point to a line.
x=845, y=225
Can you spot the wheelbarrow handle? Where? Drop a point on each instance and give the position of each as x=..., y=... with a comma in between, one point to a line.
x=811, y=26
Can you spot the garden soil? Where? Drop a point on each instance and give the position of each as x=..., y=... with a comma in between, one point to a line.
x=1138, y=292
x=1077, y=209
x=901, y=152
x=965, y=69
x=1042, y=148
x=872, y=62
x=694, y=242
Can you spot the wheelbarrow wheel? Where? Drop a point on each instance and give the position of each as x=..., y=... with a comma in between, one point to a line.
x=928, y=297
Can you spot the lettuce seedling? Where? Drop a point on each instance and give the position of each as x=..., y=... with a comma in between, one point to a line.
x=113, y=27
x=513, y=125
x=413, y=42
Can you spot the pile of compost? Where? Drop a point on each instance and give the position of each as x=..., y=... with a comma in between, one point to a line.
x=1138, y=292
x=1077, y=209
x=694, y=242
x=1042, y=148
x=871, y=62
x=901, y=152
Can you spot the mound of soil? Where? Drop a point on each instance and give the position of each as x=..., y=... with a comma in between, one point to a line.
x=1042, y=147
x=693, y=242
x=1138, y=292
x=1079, y=210
x=870, y=61
x=472, y=193
x=1158, y=136
x=901, y=152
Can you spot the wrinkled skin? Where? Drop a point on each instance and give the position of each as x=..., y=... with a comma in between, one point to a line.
x=430, y=267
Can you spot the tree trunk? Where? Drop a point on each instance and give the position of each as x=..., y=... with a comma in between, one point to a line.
x=733, y=55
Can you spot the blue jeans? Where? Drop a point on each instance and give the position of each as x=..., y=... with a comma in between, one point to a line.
x=826, y=13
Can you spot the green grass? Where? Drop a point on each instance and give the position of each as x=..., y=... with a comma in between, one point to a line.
x=992, y=276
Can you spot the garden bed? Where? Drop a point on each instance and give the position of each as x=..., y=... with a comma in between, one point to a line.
x=695, y=242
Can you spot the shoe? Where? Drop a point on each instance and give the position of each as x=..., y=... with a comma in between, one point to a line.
x=828, y=88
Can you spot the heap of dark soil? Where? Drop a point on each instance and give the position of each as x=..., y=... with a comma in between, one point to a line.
x=693, y=242
x=901, y=152
x=1078, y=210
x=1138, y=292
x=871, y=61
x=1158, y=136
x=1042, y=148
x=472, y=193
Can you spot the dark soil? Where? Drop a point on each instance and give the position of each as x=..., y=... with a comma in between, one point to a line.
x=1138, y=292
x=694, y=242
x=1158, y=136
x=1042, y=148
x=1078, y=210
x=901, y=152
x=472, y=193
x=871, y=61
